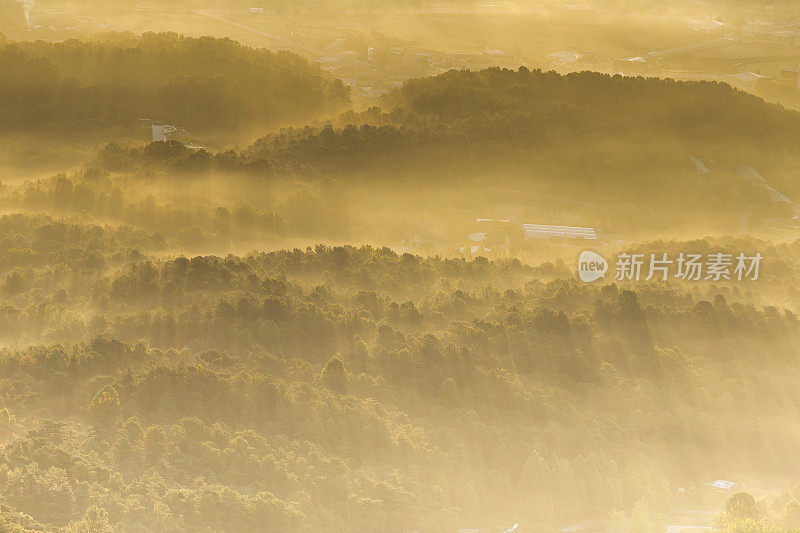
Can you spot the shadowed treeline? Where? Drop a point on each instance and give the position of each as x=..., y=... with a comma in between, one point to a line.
x=101, y=87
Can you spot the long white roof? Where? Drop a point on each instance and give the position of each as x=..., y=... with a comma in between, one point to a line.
x=544, y=230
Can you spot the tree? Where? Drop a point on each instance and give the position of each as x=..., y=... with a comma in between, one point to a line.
x=155, y=440
x=95, y=520
x=790, y=515
x=334, y=375
x=448, y=392
x=105, y=406
x=739, y=507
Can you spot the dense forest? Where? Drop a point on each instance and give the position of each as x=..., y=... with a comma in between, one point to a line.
x=354, y=388
x=514, y=130
x=583, y=135
x=143, y=388
x=116, y=83
x=294, y=334
x=492, y=133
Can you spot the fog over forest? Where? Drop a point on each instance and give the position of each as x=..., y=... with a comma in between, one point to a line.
x=399, y=266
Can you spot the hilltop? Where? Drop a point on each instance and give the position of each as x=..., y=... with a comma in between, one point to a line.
x=543, y=120
x=102, y=88
x=596, y=138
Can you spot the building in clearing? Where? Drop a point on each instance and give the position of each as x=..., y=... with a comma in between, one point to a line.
x=564, y=57
x=159, y=132
x=167, y=132
x=745, y=79
x=722, y=485
x=546, y=232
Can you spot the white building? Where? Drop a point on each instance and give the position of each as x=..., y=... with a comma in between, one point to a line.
x=745, y=79
x=565, y=57
x=547, y=232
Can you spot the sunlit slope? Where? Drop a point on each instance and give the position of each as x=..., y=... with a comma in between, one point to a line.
x=115, y=83
x=356, y=389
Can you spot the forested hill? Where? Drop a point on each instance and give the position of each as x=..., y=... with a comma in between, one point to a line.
x=357, y=389
x=201, y=84
x=585, y=130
